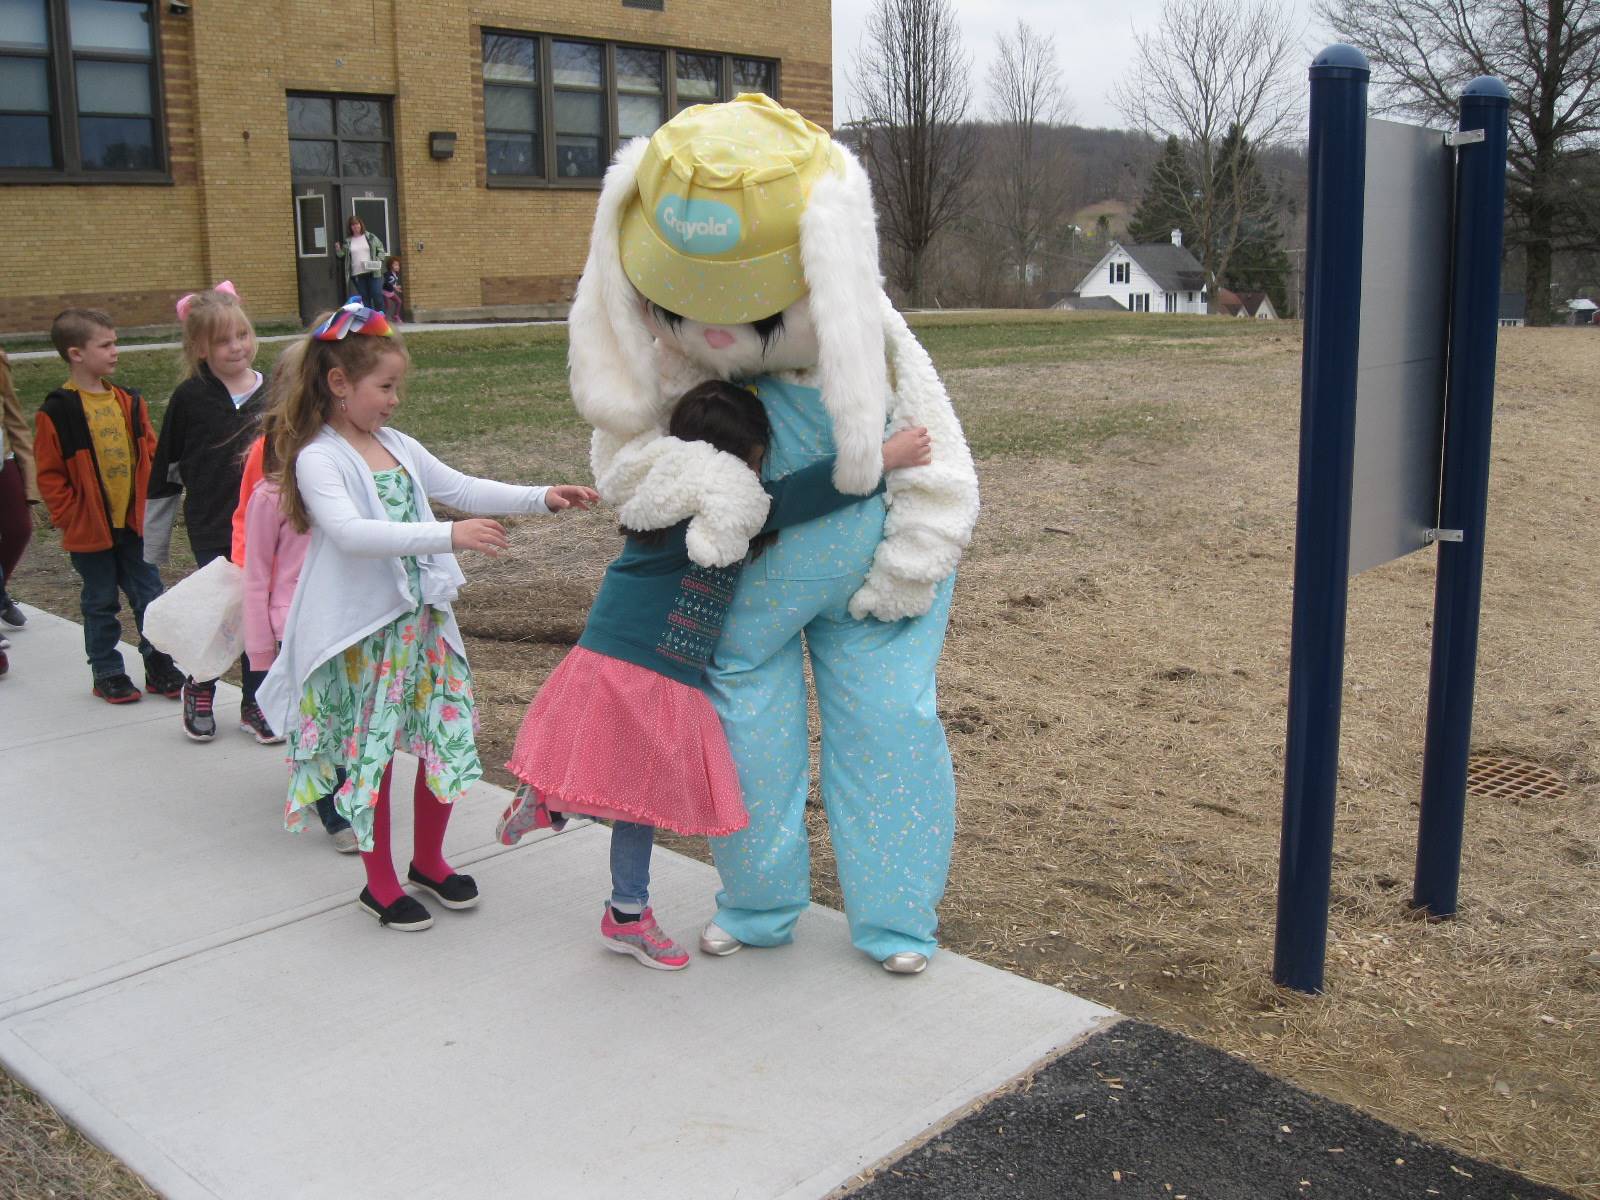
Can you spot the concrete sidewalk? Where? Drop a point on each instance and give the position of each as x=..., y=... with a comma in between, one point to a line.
x=196, y=991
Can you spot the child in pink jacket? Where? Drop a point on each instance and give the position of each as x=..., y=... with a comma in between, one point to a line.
x=273, y=553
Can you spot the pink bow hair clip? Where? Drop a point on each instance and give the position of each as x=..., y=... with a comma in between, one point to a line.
x=225, y=287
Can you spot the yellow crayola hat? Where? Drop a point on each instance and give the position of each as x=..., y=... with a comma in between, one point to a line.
x=714, y=231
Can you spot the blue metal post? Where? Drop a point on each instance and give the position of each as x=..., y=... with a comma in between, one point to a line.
x=1338, y=168
x=1464, y=491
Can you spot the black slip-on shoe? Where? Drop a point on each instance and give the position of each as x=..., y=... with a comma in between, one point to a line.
x=407, y=914
x=116, y=689
x=162, y=677
x=458, y=891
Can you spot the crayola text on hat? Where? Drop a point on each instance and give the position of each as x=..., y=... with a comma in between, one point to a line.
x=714, y=231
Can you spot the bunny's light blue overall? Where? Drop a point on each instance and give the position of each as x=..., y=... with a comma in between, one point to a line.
x=886, y=779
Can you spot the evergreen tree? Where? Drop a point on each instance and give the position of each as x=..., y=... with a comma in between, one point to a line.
x=1248, y=218
x=1168, y=200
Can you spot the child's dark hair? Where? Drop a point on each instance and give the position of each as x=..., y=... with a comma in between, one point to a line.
x=725, y=416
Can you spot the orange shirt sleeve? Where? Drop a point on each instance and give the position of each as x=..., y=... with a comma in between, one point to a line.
x=253, y=474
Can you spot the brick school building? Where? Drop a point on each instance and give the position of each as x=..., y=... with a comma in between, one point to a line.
x=151, y=148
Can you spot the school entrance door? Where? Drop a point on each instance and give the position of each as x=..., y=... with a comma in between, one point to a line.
x=341, y=158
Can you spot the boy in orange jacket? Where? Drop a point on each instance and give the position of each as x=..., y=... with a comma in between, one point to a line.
x=93, y=444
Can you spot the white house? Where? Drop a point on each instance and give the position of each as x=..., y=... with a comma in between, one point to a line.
x=1160, y=277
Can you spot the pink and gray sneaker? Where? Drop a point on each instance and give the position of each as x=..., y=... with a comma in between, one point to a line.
x=526, y=811
x=644, y=940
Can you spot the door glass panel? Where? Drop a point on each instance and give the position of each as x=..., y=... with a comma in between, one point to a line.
x=110, y=25
x=511, y=155
x=22, y=24
x=312, y=158
x=25, y=142
x=576, y=64
x=509, y=59
x=24, y=85
x=361, y=118
x=311, y=223
x=113, y=87
x=510, y=108
x=117, y=143
x=310, y=116
x=374, y=214
x=366, y=160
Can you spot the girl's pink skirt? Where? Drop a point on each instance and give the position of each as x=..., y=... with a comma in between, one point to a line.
x=608, y=738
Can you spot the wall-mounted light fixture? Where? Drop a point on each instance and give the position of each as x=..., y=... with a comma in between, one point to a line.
x=442, y=144
x=178, y=8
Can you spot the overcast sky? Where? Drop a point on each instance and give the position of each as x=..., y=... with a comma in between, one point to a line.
x=1094, y=39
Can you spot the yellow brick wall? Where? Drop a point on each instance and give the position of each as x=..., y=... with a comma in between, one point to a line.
x=228, y=212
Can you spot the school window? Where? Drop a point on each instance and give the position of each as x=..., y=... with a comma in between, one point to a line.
x=80, y=91
x=1119, y=272
x=555, y=109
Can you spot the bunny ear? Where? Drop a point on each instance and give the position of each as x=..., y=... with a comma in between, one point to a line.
x=610, y=351
x=839, y=254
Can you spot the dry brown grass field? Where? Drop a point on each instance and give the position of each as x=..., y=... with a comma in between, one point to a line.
x=1114, y=686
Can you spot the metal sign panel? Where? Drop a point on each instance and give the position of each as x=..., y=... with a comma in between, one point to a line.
x=1405, y=314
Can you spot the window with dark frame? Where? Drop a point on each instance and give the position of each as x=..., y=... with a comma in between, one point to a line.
x=556, y=108
x=80, y=94
x=511, y=109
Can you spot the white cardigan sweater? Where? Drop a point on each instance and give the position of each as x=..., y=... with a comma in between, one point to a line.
x=354, y=582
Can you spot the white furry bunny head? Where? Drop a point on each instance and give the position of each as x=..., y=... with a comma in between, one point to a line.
x=738, y=239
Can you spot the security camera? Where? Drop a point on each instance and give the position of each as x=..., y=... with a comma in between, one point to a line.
x=178, y=8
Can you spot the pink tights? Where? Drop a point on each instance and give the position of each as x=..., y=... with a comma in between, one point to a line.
x=431, y=816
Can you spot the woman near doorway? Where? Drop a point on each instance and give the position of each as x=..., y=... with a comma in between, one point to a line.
x=363, y=258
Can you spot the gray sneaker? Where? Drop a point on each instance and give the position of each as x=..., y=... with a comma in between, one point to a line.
x=344, y=840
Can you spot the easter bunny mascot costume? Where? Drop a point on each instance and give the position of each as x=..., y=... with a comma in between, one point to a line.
x=738, y=242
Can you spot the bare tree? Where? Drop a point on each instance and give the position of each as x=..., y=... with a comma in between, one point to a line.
x=1210, y=73
x=1548, y=53
x=1029, y=102
x=912, y=86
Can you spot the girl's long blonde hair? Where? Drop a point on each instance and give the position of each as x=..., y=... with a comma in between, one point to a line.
x=301, y=402
x=210, y=315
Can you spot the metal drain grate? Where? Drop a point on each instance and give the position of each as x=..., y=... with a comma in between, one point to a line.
x=1513, y=779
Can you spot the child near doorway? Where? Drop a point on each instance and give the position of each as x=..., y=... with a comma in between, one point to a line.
x=392, y=289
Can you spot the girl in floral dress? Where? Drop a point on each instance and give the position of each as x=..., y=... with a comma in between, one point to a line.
x=372, y=660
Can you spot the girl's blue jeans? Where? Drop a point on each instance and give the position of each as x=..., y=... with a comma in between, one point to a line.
x=630, y=865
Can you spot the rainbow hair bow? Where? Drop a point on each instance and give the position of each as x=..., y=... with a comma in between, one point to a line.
x=225, y=287
x=354, y=317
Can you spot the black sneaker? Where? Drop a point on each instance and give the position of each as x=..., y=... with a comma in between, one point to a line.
x=10, y=613
x=199, y=722
x=458, y=891
x=116, y=689
x=162, y=677
x=253, y=720
x=406, y=914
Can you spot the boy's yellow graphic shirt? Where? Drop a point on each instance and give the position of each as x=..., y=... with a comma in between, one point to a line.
x=108, y=429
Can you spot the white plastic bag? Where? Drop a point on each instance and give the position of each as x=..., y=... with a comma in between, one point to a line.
x=200, y=621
